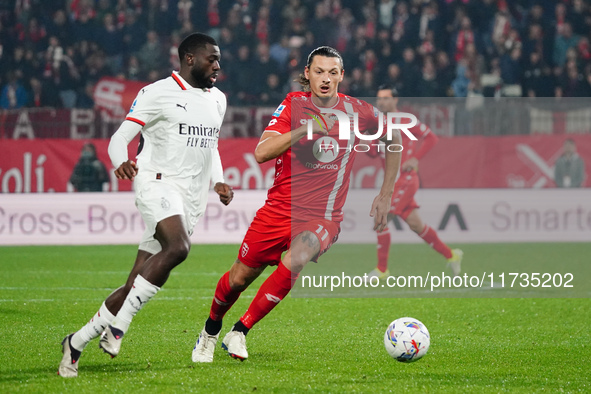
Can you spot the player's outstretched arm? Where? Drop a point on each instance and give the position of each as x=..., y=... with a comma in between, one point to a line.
x=125, y=168
x=381, y=204
x=273, y=144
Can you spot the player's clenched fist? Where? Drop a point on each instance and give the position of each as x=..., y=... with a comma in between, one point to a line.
x=225, y=192
x=127, y=170
x=322, y=124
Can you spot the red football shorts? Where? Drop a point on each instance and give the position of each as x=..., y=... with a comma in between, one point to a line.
x=270, y=234
x=403, y=199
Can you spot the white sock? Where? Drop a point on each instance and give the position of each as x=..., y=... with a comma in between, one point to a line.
x=92, y=329
x=141, y=292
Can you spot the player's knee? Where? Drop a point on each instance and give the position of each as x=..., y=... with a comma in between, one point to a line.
x=305, y=247
x=298, y=265
x=178, y=251
x=238, y=283
x=416, y=227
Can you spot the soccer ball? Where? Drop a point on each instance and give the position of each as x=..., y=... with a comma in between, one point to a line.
x=407, y=339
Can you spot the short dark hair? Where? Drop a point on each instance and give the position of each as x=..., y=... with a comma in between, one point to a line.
x=325, y=51
x=194, y=41
x=391, y=88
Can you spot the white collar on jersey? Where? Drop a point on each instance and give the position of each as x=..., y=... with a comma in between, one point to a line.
x=184, y=85
x=321, y=108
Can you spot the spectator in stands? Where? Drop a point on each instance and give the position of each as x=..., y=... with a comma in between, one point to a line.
x=272, y=93
x=578, y=17
x=90, y=173
x=42, y=94
x=386, y=52
x=133, y=71
x=410, y=73
x=293, y=27
x=355, y=83
x=279, y=51
x=235, y=22
x=584, y=50
x=173, y=58
x=427, y=47
x=96, y=67
x=61, y=71
x=110, y=41
x=573, y=83
x=264, y=65
x=25, y=63
x=569, y=170
x=461, y=82
x=538, y=78
x=34, y=34
x=85, y=97
x=428, y=85
x=431, y=21
x=510, y=64
x=564, y=40
x=386, y=13
x=103, y=8
x=83, y=27
x=133, y=32
x=14, y=94
x=151, y=54
x=59, y=26
x=406, y=26
x=229, y=47
x=367, y=84
x=463, y=38
x=159, y=16
x=323, y=24
x=534, y=41
x=240, y=73
x=445, y=73
x=393, y=78
x=293, y=12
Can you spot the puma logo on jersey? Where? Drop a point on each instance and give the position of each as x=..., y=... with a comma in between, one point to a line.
x=183, y=106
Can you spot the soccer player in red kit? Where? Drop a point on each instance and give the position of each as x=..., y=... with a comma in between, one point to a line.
x=403, y=199
x=303, y=210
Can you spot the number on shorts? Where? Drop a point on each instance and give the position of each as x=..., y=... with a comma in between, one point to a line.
x=319, y=230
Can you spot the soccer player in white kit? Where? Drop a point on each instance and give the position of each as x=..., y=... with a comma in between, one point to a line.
x=180, y=119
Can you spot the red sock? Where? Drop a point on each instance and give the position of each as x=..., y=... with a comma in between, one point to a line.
x=383, y=249
x=223, y=299
x=430, y=236
x=273, y=290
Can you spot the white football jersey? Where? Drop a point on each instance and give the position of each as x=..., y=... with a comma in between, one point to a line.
x=180, y=129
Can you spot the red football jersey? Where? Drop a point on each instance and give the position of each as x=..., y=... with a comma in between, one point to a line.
x=312, y=176
x=425, y=140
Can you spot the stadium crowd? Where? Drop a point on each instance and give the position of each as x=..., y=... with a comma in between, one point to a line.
x=53, y=52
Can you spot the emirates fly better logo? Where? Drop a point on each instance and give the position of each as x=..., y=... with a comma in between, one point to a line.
x=326, y=149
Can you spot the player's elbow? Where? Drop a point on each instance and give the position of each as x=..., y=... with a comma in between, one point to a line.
x=260, y=156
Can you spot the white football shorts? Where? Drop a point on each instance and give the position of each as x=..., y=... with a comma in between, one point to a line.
x=158, y=199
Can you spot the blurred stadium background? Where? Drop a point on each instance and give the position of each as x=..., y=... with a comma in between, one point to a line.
x=503, y=84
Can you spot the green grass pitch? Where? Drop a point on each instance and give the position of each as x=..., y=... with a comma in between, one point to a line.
x=305, y=345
